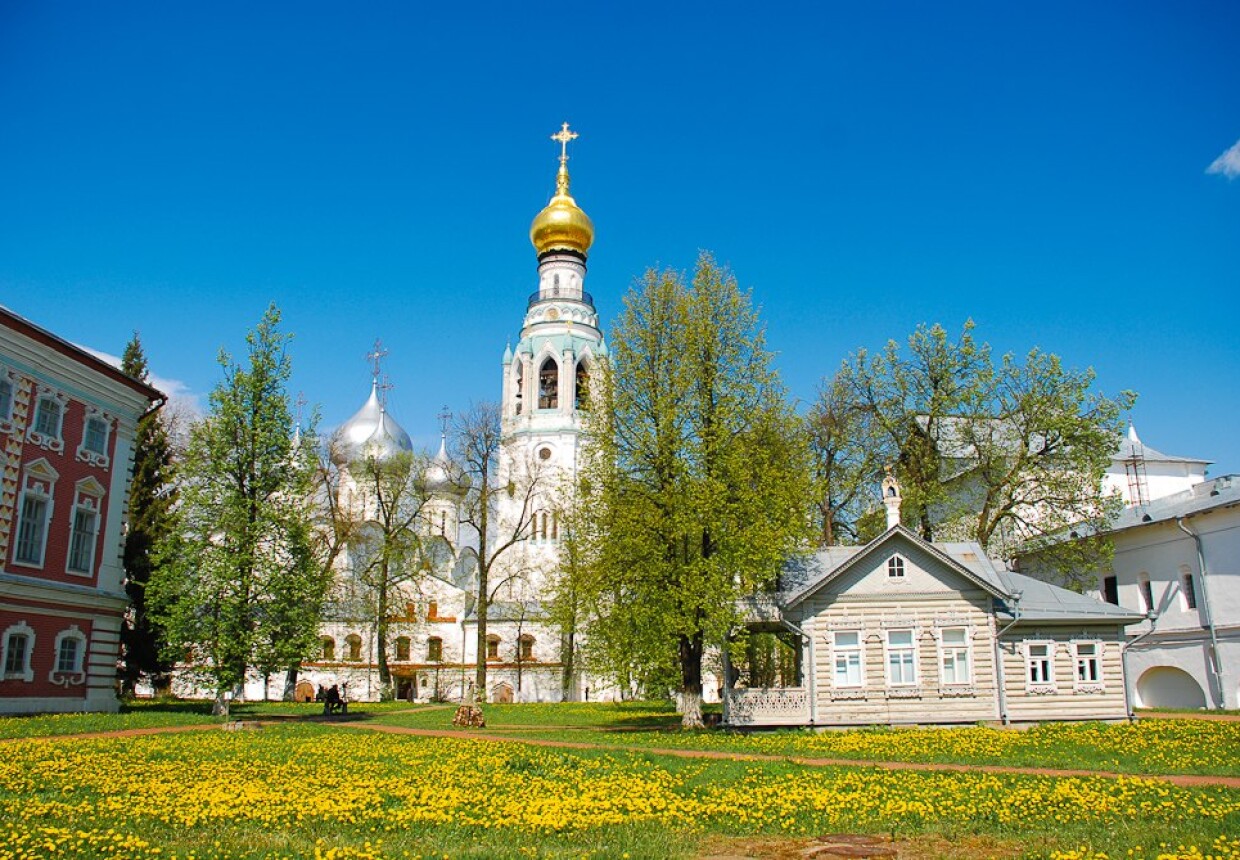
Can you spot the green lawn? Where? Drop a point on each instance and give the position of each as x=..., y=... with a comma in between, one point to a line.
x=341, y=791
x=1145, y=747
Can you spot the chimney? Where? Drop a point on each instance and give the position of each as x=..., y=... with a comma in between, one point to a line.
x=891, y=499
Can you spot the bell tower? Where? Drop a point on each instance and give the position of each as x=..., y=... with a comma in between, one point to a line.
x=546, y=385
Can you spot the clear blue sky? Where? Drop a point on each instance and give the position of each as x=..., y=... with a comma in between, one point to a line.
x=373, y=169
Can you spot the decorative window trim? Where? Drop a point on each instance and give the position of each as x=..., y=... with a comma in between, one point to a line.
x=76, y=675
x=88, y=496
x=327, y=649
x=43, y=440
x=6, y=416
x=914, y=648
x=1094, y=685
x=38, y=479
x=434, y=650
x=968, y=656
x=26, y=673
x=1039, y=688
x=86, y=455
x=858, y=650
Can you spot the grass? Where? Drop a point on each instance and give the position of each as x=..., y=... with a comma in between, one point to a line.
x=152, y=713
x=309, y=790
x=1148, y=747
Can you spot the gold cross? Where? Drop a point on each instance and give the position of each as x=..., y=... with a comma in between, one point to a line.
x=562, y=137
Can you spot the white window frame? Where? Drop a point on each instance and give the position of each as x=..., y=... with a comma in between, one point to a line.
x=895, y=567
x=847, y=652
x=77, y=674
x=51, y=442
x=8, y=377
x=911, y=650
x=1082, y=685
x=1043, y=686
x=88, y=455
x=954, y=650
x=38, y=480
x=26, y=673
x=88, y=496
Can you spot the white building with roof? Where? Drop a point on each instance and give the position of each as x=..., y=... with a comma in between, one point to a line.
x=1178, y=557
x=1140, y=474
x=905, y=631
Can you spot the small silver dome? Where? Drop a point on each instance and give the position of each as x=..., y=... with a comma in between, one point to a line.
x=439, y=474
x=371, y=432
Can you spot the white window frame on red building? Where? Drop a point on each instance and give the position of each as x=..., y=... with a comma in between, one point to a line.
x=38, y=481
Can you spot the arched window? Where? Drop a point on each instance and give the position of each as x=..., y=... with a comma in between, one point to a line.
x=402, y=648
x=581, y=389
x=895, y=567
x=328, y=648
x=544, y=525
x=70, y=653
x=555, y=526
x=549, y=385
x=519, y=369
x=354, y=643
x=492, y=647
x=434, y=650
x=526, y=647
x=432, y=610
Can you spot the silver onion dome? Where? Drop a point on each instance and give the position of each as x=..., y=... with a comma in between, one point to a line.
x=371, y=432
x=442, y=478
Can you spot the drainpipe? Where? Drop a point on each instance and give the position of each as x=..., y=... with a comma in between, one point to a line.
x=1000, y=675
x=1150, y=616
x=1215, y=669
x=810, y=686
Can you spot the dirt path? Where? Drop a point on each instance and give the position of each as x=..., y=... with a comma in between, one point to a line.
x=475, y=734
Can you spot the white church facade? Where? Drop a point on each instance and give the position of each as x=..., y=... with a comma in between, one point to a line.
x=432, y=643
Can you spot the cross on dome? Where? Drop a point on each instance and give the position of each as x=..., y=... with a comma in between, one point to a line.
x=562, y=137
x=444, y=416
x=376, y=357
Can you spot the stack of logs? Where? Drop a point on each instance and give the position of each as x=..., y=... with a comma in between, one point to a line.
x=469, y=717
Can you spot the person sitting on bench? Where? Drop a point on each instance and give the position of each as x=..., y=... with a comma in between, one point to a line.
x=332, y=703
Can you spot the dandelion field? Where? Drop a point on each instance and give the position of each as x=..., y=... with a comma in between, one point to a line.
x=343, y=792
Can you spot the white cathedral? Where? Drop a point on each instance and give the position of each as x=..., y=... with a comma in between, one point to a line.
x=432, y=643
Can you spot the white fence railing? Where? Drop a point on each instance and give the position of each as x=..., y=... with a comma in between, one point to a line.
x=778, y=706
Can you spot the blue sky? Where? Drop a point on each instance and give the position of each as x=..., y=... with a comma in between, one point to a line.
x=172, y=168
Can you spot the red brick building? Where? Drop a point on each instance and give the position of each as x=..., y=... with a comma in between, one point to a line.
x=67, y=424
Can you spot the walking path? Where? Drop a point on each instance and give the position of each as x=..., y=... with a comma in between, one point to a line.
x=476, y=734
x=482, y=734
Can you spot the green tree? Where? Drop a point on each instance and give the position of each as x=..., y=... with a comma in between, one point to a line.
x=1010, y=454
x=236, y=587
x=699, y=477
x=151, y=498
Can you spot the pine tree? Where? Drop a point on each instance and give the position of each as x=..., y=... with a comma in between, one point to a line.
x=237, y=588
x=152, y=496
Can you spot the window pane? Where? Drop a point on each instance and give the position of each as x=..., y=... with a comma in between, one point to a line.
x=82, y=542
x=30, y=534
x=95, y=434
x=847, y=640
x=6, y=398
x=1037, y=650
x=66, y=660
x=953, y=637
x=15, y=654
x=47, y=418
x=900, y=637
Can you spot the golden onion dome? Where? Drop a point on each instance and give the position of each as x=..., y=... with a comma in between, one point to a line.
x=562, y=225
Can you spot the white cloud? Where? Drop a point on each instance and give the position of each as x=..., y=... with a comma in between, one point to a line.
x=181, y=400
x=1228, y=163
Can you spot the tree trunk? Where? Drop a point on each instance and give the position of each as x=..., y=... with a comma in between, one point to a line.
x=480, y=674
x=290, y=684
x=381, y=632
x=691, y=681
x=220, y=707
x=567, y=657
